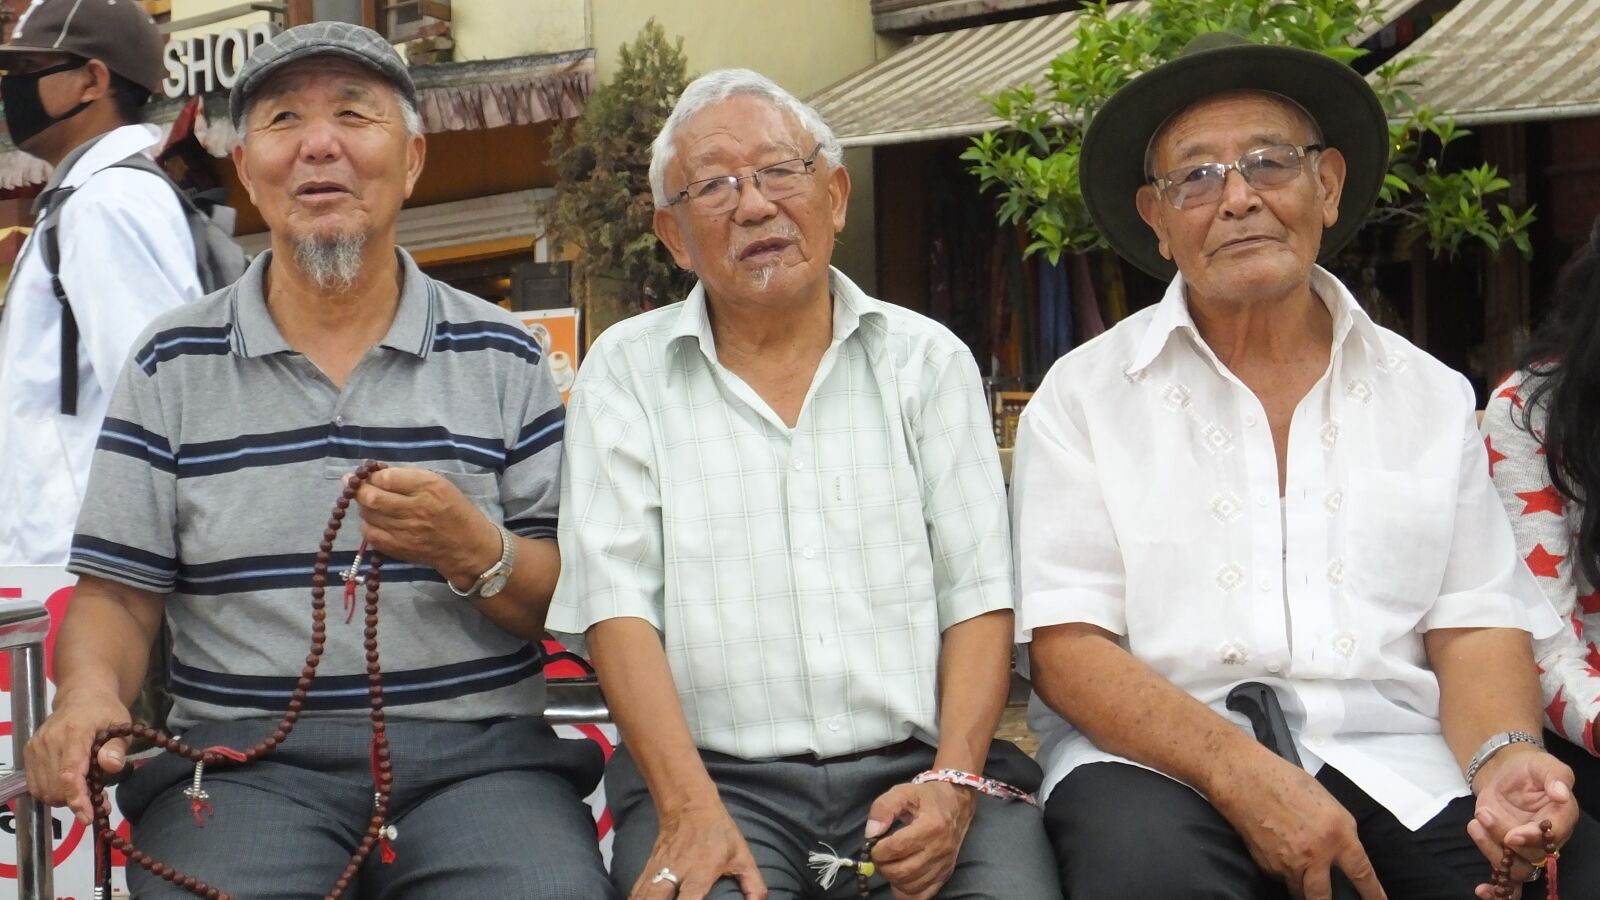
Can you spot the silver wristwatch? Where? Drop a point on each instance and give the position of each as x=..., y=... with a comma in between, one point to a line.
x=493, y=580
x=1494, y=745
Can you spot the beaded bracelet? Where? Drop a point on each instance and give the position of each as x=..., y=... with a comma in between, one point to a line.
x=979, y=783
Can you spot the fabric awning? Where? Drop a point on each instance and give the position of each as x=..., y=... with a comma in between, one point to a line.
x=463, y=96
x=934, y=87
x=1491, y=61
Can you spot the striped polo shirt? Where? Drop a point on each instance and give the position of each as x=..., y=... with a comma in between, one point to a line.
x=221, y=458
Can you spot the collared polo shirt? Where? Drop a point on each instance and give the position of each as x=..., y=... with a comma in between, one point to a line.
x=1146, y=502
x=221, y=459
x=800, y=577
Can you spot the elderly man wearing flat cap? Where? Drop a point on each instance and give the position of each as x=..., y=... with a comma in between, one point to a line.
x=1260, y=485
x=225, y=446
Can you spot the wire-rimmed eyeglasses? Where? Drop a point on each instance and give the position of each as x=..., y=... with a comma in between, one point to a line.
x=779, y=181
x=1263, y=167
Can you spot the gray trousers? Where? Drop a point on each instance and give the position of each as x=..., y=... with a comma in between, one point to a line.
x=483, y=809
x=786, y=808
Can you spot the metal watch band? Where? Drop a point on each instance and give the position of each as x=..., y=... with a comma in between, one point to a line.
x=1495, y=744
x=506, y=551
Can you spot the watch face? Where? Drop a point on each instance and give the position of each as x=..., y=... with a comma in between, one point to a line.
x=495, y=584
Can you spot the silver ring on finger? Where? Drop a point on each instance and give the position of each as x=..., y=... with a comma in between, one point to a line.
x=665, y=875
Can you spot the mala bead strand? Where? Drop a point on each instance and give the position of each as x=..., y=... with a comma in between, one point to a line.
x=106, y=839
x=1500, y=875
x=865, y=869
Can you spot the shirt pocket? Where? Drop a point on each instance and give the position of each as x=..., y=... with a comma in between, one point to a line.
x=1398, y=532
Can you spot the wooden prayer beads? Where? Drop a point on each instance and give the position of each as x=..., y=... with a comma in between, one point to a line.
x=1500, y=874
x=220, y=757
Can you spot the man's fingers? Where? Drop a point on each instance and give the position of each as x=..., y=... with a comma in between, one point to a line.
x=1316, y=883
x=890, y=805
x=750, y=880
x=903, y=844
x=113, y=755
x=1353, y=862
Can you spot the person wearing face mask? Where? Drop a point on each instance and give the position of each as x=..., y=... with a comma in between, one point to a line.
x=77, y=76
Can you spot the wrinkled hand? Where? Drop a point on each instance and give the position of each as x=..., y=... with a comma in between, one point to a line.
x=918, y=859
x=1517, y=789
x=1296, y=831
x=701, y=845
x=57, y=759
x=420, y=517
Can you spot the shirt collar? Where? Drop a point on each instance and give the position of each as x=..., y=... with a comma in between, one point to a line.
x=95, y=154
x=1173, y=315
x=255, y=334
x=851, y=309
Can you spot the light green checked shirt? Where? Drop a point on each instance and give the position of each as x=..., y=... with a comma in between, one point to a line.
x=800, y=578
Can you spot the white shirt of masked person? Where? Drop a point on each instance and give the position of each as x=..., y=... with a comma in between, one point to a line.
x=126, y=257
x=1145, y=502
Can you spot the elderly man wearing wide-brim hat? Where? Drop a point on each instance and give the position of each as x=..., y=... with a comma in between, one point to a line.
x=1252, y=482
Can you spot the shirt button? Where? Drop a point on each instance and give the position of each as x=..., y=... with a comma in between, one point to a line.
x=1262, y=500
x=339, y=421
x=808, y=552
x=1250, y=420
x=1265, y=584
x=799, y=466
x=833, y=725
x=1314, y=741
x=1274, y=668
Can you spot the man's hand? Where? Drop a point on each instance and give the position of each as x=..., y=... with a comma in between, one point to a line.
x=57, y=759
x=1296, y=830
x=700, y=845
x=1517, y=789
x=419, y=516
x=918, y=859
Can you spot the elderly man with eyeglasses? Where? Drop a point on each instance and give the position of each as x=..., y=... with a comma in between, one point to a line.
x=784, y=534
x=1251, y=482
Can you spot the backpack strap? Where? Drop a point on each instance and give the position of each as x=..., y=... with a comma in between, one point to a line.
x=50, y=250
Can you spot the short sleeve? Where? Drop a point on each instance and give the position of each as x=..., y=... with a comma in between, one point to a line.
x=127, y=530
x=1069, y=567
x=1485, y=584
x=963, y=495
x=530, y=488
x=610, y=536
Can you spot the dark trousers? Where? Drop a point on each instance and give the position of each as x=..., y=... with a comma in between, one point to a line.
x=483, y=809
x=1104, y=814
x=786, y=808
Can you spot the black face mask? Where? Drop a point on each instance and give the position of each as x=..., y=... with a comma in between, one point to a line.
x=25, y=113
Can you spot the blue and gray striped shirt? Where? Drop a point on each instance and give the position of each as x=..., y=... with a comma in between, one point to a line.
x=221, y=457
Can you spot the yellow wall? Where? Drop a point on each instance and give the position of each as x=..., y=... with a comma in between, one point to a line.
x=803, y=46
x=493, y=29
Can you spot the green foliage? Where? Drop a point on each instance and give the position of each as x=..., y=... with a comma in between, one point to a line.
x=1033, y=163
x=603, y=206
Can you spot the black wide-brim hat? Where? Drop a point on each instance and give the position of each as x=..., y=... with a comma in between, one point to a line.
x=1111, y=164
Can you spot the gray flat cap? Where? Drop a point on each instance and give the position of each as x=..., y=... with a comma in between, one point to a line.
x=353, y=42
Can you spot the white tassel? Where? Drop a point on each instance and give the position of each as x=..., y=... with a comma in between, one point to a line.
x=828, y=865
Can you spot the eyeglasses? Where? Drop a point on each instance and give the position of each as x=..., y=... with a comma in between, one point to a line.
x=779, y=181
x=1264, y=167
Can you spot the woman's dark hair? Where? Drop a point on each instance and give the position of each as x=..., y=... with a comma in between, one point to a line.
x=130, y=99
x=1563, y=359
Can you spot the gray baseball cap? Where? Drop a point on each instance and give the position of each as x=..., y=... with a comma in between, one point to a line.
x=353, y=42
x=119, y=33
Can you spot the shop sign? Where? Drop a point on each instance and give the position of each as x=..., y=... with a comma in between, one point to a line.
x=210, y=62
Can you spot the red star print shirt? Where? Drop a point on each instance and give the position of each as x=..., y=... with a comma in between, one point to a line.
x=1545, y=524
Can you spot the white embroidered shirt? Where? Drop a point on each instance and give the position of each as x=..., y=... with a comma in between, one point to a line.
x=1146, y=502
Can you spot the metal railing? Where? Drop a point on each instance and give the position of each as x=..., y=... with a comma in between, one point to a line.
x=23, y=626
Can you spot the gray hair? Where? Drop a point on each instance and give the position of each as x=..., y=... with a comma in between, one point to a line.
x=408, y=114
x=713, y=88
